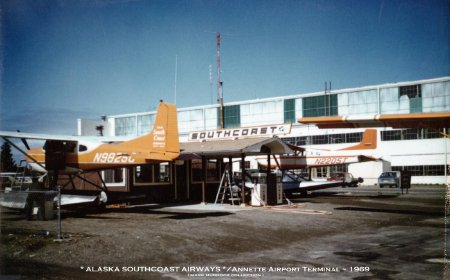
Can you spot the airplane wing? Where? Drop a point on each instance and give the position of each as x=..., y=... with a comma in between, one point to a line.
x=66, y=138
x=36, y=136
x=70, y=199
x=310, y=185
x=415, y=120
x=18, y=199
x=317, y=185
x=293, y=182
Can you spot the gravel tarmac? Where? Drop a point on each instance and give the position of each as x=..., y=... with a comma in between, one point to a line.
x=357, y=233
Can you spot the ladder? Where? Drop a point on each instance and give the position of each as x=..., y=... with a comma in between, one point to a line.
x=19, y=177
x=226, y=189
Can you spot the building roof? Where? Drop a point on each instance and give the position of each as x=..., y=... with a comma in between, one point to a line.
x=236, y=148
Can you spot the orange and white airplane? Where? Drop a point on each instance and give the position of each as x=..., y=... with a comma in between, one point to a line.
x=73, y=155
x=308, y=157
x=76, y=154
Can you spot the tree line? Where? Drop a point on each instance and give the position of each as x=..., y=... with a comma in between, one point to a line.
x=7, y=163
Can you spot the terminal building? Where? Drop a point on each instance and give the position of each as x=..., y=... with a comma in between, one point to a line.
x=422, y=151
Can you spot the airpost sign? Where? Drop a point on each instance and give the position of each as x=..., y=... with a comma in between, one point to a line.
x=243, y=132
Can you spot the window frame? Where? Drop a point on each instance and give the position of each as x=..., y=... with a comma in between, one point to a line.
x=153, y=173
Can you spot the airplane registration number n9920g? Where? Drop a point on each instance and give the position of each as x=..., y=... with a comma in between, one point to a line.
x=113, y=158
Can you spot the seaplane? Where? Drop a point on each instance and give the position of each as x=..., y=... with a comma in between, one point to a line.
x=311, y=158
x=75, y=155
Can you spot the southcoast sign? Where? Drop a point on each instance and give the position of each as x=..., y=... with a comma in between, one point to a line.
x=244, y=132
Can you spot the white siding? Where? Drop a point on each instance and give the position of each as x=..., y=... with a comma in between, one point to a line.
x=358, y=102
x=436, y=97
x=190, y=120
x=145, y=123
x=210, y=118
x=261, y=113
x=389, y=102
x=298, y=108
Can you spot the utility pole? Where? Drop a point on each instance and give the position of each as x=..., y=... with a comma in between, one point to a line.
x=176, y=77
x=219, y=82
x=328, y=99
x=211, y=83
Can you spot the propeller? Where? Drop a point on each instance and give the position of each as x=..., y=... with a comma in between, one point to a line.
x=24, y=141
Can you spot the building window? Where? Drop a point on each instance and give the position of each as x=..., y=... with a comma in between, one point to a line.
x=231, y=116
x=143, y=174
x=145, y=123
x=324, y=139
x=322, y=172
x=414, y=94
x=336, y=169
x=191, y=120
x=353, y=137
x=318, y=106
x=411, y=134
x=391, y=135
x=114, y=177
x=289, y=140
x=213, y=170
x=396, y=168
x=152, y=174
x=336, y=138
x=431, y=133
x=289, y=111
x=125, y=126
x=303, y=141
x=413, y=91
x=422, y=170
x=162, y=173
x=298, y=141
x=415, y=170
x=434, y=170
x=246, y=163
x=320, y=139
x=415, y=105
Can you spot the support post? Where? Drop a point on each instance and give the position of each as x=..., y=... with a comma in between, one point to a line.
x=230, y=165
x=58, y=214
x=243, y=180
x=204, y=167
x=188, y=175
x=175, y=182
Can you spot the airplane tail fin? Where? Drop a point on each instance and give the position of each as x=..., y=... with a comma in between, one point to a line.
x=368, y=142
x=163, y=138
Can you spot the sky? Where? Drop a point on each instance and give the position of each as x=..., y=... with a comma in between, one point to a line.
x=62, y=60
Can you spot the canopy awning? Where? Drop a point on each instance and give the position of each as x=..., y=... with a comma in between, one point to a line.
x=234, y=148
x=415, y=120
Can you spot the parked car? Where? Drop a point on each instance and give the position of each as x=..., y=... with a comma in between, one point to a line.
x=347, y=178
x=389, y=179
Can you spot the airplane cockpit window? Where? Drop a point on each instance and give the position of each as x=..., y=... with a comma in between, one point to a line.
x=82, y=148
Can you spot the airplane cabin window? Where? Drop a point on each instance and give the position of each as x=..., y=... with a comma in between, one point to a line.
x=82, y=148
